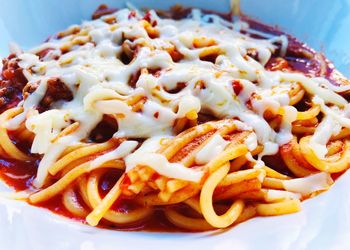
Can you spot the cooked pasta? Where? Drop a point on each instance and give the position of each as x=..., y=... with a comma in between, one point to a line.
x=204, y=121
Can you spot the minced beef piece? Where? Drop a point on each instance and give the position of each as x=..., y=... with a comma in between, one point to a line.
x=102, y=10
x=56, y=90
x=12, y=82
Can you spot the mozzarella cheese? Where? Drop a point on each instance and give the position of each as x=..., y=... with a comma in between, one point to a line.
x=213, y=148
x=93, y=69
x=309, y=184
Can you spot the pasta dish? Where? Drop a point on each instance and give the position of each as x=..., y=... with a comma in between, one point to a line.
x=177, y=119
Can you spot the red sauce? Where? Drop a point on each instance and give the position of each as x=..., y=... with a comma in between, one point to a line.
x=56, y=206
x=18, y=174
x=237, y=86
x=104, y=130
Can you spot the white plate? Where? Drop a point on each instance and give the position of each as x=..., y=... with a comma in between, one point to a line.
x=323, y=223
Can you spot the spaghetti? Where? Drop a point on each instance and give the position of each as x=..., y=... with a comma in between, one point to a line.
x=205, y=121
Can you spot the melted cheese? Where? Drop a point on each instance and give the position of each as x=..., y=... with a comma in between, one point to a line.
x=47, y=127
x=161, y=165
x=310, y=184
x=213, y=148
x=285, y=133
x=278, y=195
x=251, y=141
x=335, y=118
x=323, y=133
x=99, y=80
x=146, y=155
x=123, y=150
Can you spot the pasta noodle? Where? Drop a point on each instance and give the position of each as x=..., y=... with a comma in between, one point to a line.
x=133, y=117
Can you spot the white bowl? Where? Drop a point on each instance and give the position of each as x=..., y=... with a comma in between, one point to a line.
x=324, y=222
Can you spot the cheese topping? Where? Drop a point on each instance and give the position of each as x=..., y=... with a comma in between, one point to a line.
x=310, y=184
x=146, y=155
x=122, y=151
x=213, y=148
x=179, y=68
x=277, y=195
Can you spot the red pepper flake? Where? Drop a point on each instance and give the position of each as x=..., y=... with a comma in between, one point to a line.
x=237, y=86
x=102, y=10
x=8, y=74
x=126, y=182
x=278, y=63
x=43, y=52
x=175, y=54
x=154, y=177
x=147, y=17
x=132, y=14
x=156, y=115
x=154, y=23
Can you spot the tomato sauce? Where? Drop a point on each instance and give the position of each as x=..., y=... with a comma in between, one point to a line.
x=18, y=174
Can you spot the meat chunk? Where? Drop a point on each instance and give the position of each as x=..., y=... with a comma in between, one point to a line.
x=12, y=81
x=12, y=72
x=14, y=87
x=56, y=91
x=102, y=10
x=9, y=98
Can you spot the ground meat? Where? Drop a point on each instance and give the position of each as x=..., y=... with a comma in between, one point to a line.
x=102, y=10
x=277, y=63
x=12, y=72
x=176, y=12
x=14, y=87
x=12, y=82
x=29, y=88
x=43, y=53
x=9, y=98
x=56, y=90
x=104, y=130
